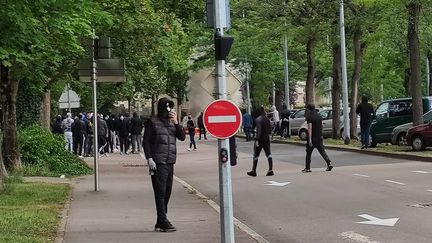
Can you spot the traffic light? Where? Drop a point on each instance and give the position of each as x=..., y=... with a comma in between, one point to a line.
x=222, y=46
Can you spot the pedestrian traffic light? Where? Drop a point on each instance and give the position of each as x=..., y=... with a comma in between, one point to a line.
x=222, y=46
x=233, y=151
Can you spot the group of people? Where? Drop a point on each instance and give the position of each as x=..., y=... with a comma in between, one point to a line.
x=114, y=133
x=190, y=126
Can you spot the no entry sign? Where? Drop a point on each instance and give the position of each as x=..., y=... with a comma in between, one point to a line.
x=222, y=119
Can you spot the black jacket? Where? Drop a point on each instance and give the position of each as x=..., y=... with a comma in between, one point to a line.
x=200, y=121
x=78, y=127
x=136, y=126
x=366, y=112
x=123, y=127
x=263, y=128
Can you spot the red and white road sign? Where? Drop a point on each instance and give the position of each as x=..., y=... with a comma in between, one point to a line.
x=222, y=119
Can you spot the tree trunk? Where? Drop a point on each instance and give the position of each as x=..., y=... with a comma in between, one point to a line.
x=153, y=105
x=3, y=172
x=9, y=90
x=310, y=91
x=429, y=57
x=336, y=91
x=415, y=65
x=358, y=58
x=45, y=112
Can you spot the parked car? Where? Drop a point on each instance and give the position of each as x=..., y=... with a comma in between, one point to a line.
x=392, y=113
x=296, y=120
x=327, y=122
x=399, y=132
x=420, y=137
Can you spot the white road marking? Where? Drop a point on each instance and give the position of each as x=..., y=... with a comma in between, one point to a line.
x=429, y=190
x=395, y=182
x=422, y=172
x=222, y=119
x=257, y=237
x=377, y=221
x=360, y=175
x=356, y=237
x=274, y=183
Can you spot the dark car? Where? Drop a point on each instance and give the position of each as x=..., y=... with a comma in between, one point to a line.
x=420, y=137
x=392, y=113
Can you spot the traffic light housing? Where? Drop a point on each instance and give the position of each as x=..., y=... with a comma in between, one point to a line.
x=222, y=46
x=233, y=150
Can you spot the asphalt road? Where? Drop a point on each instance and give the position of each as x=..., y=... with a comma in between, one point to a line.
x=320, y=206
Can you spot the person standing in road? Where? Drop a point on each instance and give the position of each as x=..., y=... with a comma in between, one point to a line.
x=67, y=128
x=262, y=141
x=315, y=139
x=160, y=150
x=201, y=126
x=136, y=129
x=285, y=114
x=191, y=130
x=78, y=132
x=367, y=114
x=123, y=132
x=102, y=134
x=247, y=125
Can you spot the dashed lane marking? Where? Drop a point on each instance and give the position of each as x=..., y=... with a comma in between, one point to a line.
x=429, y=190
x=396, y=182
x=360, y=175
x=356, y=237
x=422, y=172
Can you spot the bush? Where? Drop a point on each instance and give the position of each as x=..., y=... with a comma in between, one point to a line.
x=44, y=154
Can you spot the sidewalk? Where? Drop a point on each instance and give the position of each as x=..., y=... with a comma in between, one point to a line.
x=123, y=210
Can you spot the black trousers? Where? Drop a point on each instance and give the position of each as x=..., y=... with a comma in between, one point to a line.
x=102, y=143
x=258, y=146
x=318, y=144
x=78, y=143
x=162, y=181
x=124, y=144
x=203, y=132
x=192, y=139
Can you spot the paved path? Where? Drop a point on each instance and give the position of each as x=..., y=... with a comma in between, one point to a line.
x=124, y=210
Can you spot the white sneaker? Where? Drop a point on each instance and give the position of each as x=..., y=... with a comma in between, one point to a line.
x=189, y=149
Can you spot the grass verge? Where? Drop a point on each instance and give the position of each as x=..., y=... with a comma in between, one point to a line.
x=29, y=212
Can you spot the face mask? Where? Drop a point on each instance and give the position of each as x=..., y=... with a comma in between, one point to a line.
x=121, y=118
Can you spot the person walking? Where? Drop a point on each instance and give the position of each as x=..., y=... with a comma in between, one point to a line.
x=247, y=125
x=367, y=114
x=102, y=134
x=123, y=132
x=112, y=127
x=160, y=150
x=262, y=141
x=78, y=132
x=67, y=128
x=285, y=115
x=136, y=130
x=315, y=139
x=201, y=126
x=275, y=121
x=191, y=130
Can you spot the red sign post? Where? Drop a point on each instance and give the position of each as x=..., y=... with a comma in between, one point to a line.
x=222, y=119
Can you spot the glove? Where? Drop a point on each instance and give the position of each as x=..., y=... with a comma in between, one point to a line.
x=151, y=164
x=309, y=142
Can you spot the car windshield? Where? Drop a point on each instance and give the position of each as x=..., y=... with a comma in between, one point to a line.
x=427, y=116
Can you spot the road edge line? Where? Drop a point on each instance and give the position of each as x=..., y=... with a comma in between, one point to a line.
x=257, y=237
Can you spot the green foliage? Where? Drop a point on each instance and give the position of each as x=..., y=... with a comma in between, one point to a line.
x=28, y=104
x=29, y=212
x=44, y=154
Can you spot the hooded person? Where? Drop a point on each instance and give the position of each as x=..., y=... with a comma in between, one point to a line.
x=367, y=114
x=159, y=142
x=67, y=128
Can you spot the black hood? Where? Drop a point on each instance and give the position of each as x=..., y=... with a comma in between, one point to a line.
x=365, y=99
x=163, y=103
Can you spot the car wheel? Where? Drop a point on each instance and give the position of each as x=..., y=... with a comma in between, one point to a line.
x=372, y=141
x=401, y=139
x=303, y=134
x=418, y=143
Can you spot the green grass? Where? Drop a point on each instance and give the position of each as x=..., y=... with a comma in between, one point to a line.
x=29, y=212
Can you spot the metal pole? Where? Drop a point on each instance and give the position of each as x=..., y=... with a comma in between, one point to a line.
x=287, y=95
x=248, y=90
x=344, y=76
x=382, y=92
x=274, y=95
x=225, y=187
x=95, y=120
x=427, y=77
x=68, y=95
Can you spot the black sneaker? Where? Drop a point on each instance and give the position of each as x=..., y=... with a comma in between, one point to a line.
x=252, y=173
x=329, y=168
x=165, y=227
x=306, y=170
x=270, y=173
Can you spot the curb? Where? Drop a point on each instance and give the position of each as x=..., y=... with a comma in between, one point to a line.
x=254, y=235
x=61, y=229
x=355, y=150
